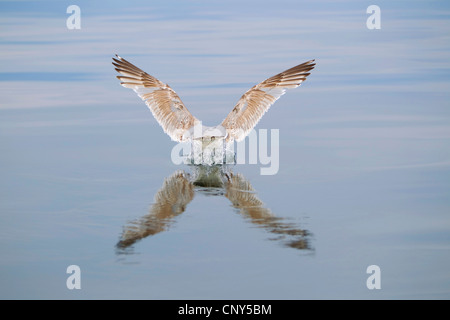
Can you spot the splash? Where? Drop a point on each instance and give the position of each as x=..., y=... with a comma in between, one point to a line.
x=210, y=151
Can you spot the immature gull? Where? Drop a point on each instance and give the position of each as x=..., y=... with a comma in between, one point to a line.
x=179, y=189
x=173, y=116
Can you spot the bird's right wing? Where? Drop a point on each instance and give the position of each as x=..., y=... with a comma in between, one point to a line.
x=162, y=100
x=243, y=197
x=256, y=101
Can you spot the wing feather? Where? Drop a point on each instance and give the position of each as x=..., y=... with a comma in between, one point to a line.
x=257, y=101
x=165, y=105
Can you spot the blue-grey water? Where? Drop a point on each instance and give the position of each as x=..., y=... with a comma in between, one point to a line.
x=86, y=176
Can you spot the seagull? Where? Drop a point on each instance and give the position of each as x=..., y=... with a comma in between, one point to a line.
x=179, y=189
x=181, y=126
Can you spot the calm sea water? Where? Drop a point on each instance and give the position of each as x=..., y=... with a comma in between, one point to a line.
x=87, y=178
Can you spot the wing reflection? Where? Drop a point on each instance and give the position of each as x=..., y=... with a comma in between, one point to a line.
x=177, y=192
x=243, y=197
x=171, y=200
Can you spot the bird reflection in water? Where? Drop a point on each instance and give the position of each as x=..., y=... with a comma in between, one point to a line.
x=178, y=191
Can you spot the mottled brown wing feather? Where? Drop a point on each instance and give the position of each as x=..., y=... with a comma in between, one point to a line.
x=257, y=101
x=243, y=197
x=162, y=100
x=170, y=201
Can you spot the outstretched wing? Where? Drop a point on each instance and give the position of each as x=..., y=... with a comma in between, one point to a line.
x=243, y=197
x=256, y=101
x=162, y=100
x=170, y=201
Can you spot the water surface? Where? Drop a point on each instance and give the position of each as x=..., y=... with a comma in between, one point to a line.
x=87, y=179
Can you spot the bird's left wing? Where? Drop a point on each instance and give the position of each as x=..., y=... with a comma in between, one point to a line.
x=170, y=201
x=162, y=100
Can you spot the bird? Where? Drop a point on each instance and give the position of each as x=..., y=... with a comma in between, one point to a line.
x=181, y=126
x=179, y=189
